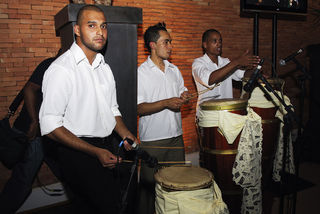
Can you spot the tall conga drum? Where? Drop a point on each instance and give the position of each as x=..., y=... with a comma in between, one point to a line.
x=187, y=190
x=216, y=154
x=266, y=107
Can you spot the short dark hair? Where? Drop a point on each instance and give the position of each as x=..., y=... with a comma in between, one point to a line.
x=206, y=34
x=85, y=8
x=152, y=34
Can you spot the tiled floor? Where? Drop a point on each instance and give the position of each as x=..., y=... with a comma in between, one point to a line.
x=307, y=199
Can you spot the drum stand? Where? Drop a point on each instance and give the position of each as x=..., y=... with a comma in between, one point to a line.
x=144, y=156
x=288, y=118
x=125, y=194
x=299, y=147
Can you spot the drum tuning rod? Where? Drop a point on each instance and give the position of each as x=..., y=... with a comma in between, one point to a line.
x=195, y=94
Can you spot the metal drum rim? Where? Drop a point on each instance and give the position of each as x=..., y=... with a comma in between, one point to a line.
x=241, y=105
x=168, y=185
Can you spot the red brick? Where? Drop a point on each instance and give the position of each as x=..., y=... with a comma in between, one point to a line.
x=30, y=21
x=18, y=26
x=31, y=12
x=10, y=40
x=8, y=11
x=22, y=55
x=4, y=16
x=46, y=7
x=20, y=35
x=41, y=35
x=19, y=16
x=3, y=5
x=42, y=17
x=19, y=6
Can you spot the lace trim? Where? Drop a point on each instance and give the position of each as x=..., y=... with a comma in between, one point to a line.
x=247, y=166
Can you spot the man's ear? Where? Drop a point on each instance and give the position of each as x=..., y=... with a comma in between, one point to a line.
x=204, y=45
x=152, y=45
x=76, y=30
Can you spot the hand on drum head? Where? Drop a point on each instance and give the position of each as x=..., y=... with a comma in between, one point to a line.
x=247, y=61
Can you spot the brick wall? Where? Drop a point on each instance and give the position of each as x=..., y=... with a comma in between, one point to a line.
x=27, y=36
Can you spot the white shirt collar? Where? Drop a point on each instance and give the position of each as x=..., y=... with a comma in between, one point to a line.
x=208, y=60
x=151, y=64
x=79, y=55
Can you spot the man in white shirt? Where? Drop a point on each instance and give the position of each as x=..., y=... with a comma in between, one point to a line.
x=161, y=93
x=80, y=110
x=211, y=68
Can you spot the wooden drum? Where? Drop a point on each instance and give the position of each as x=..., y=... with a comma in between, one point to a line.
x=188, y=190
x=217, y=155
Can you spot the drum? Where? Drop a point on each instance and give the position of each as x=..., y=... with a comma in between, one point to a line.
x=216, y=154
x=188, y=190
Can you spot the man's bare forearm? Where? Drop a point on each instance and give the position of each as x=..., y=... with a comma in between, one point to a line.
x=67, y=138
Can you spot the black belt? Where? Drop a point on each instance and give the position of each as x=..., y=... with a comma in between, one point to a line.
x=94, y=139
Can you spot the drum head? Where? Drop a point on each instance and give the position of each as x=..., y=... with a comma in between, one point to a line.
x=184, y=178
x=224, y=104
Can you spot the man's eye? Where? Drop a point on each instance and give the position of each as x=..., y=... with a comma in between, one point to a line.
x=104, y=26
x=91, y=26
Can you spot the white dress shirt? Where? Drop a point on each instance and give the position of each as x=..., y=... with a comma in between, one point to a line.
x=79, y=96
x=202, y=67
x=155, y=85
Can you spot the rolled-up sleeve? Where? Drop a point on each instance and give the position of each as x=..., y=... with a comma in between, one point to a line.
x=140, y=97
x=200, y=72
x=238, y=75
x=182, y=87
x=55, y=89
x=114, y=106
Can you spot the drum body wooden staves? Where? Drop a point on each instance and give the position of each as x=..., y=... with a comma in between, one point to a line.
x=217, y=155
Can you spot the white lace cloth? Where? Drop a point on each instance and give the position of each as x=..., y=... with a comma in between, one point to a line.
x=278, y=160
x=259, y=100
x=247, y=166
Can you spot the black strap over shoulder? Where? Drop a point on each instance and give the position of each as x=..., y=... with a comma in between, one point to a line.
x=15, y=104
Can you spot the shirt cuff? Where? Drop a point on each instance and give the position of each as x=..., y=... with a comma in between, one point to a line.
x=49, y=123
x=116, y=112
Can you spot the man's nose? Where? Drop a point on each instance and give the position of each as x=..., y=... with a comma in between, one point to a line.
x=99, y=31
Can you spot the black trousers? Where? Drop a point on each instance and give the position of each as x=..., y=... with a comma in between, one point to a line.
x=95, y=188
